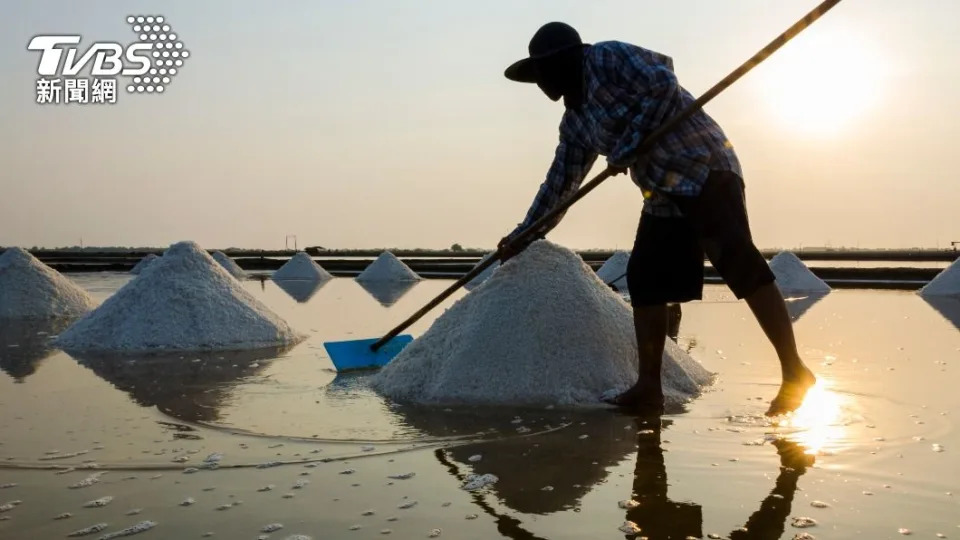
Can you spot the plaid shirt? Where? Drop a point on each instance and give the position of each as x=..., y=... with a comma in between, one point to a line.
x=629, y=92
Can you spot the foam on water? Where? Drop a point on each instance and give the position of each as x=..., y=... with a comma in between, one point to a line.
x=793, y=277
x=301, y=266
x=543, y=330
x=185, y=301
x=30, y=289
x=387, y=267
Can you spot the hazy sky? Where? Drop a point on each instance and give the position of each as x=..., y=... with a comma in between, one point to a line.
x=389, y=123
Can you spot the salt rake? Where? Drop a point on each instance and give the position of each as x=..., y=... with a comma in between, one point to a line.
x=374, y=353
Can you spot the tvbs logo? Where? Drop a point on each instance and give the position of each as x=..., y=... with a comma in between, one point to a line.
x=150, y=62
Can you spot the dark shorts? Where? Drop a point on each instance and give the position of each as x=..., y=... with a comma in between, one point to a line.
x=666, y=265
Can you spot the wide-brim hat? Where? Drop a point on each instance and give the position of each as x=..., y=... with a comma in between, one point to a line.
x=550, y=39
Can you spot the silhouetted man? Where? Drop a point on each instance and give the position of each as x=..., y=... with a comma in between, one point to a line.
x=615, y=95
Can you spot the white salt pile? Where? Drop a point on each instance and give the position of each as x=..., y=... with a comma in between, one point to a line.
x=228, y=264
x=946, y=283
x=144, y=262
x=388, y=267
x=614, y=271
x=793, y=277
x=301, y=266
x=542, y=330
x=482, y=276
x=30, y=289
x=186, y=301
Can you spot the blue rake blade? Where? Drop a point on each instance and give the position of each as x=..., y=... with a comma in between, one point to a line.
x=357, y=354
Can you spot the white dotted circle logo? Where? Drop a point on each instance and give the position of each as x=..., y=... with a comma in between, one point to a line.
x=167, y=51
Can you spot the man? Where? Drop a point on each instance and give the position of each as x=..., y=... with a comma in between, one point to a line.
x=616, y=94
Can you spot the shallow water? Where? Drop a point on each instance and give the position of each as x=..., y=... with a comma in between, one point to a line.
x=877, y=445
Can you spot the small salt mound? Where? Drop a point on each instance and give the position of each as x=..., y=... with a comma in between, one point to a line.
x=614, y=271
x=542, y=330
x=793, y=277
x=30, y=289
x=144, y=262
x=232, y=268
x=301, y=266
x=186, y=301
x=946, y=283
x=388, y=267
x=483, y=276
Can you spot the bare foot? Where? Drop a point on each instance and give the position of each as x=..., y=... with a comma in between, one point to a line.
x=792, y=391
x=641, y=396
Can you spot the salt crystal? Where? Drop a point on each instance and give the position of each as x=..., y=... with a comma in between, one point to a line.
x=130, y=531
x=435, y=533
x=185, y=301
x=187, y=502
x=819, y=504
x=86, y=482
x=89, y=530
x=937, y=448
x=546, y=488
x=65, y=515
x=385, y=531
x=355, y=527
x=475, y=482
x=266, y=488
x=628, y=504
x=803, y=522
x=474, y=458
x=213, y=458
x=472, y=516
x=98, y=503
x=905, y=532
x=30, y=289
x=272, y=527
x=8, y=486
x=348, y=471
x=134, y=511
x=190, y=470
x=804, y=536
x=407, y=505
x=629, y=527
x=223, y=507
x=300, y=484
x=299, y=537
x=404, y=476
x=367, y=513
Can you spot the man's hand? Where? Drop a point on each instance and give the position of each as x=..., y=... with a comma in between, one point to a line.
x=509, y=249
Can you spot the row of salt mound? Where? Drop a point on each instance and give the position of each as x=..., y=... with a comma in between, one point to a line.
x=143, y=263
x=301, y=266
x=229, y=265
x=30, y=289
x=794, y=278
x=542, y=330
x=946, y=283
x=387, y=267
x=186, y=301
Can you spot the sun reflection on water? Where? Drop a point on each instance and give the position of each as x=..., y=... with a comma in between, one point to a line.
x=817, y=425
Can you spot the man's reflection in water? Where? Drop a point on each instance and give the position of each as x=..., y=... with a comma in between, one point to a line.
x=661, y=518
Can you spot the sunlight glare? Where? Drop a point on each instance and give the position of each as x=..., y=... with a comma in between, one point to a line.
x=821, y=83
x=818, y=421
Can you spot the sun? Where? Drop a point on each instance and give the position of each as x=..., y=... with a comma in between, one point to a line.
x=822, y=83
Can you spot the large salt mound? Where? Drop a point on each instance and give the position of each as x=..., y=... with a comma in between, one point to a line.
x=227, y=263
x=613, y=272
x=946, y=283
x=186, y=301
x=301, y=266
x=482, y=276
x=793, y=277
x=542, y=330
x=388, y=267
x=30, y=289
x=143, y=263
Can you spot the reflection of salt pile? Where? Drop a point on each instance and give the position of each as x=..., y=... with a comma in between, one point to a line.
x=227, y=263
x=615, y=269
x=946, y=283
x=144, y=262
x=388, y=267
x=186, y=301
x=301, y=266
x=793, y=277
x=30, y=289
x=543, y=330
x=483, y=276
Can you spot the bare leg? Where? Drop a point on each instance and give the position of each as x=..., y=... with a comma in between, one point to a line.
x=771, y=312
x=650, y=323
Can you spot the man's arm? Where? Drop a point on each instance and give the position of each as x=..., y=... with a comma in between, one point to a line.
x=571, y=163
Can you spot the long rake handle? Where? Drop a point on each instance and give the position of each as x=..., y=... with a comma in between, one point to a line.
x=644, y=147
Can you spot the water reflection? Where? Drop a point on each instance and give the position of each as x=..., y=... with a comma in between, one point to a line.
x=301, y=290
x=193, y=387
x=24, y=344
x=948, y=306
x=387, y=292
x=818, y=422
x=659, y=517
x=797, y=306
